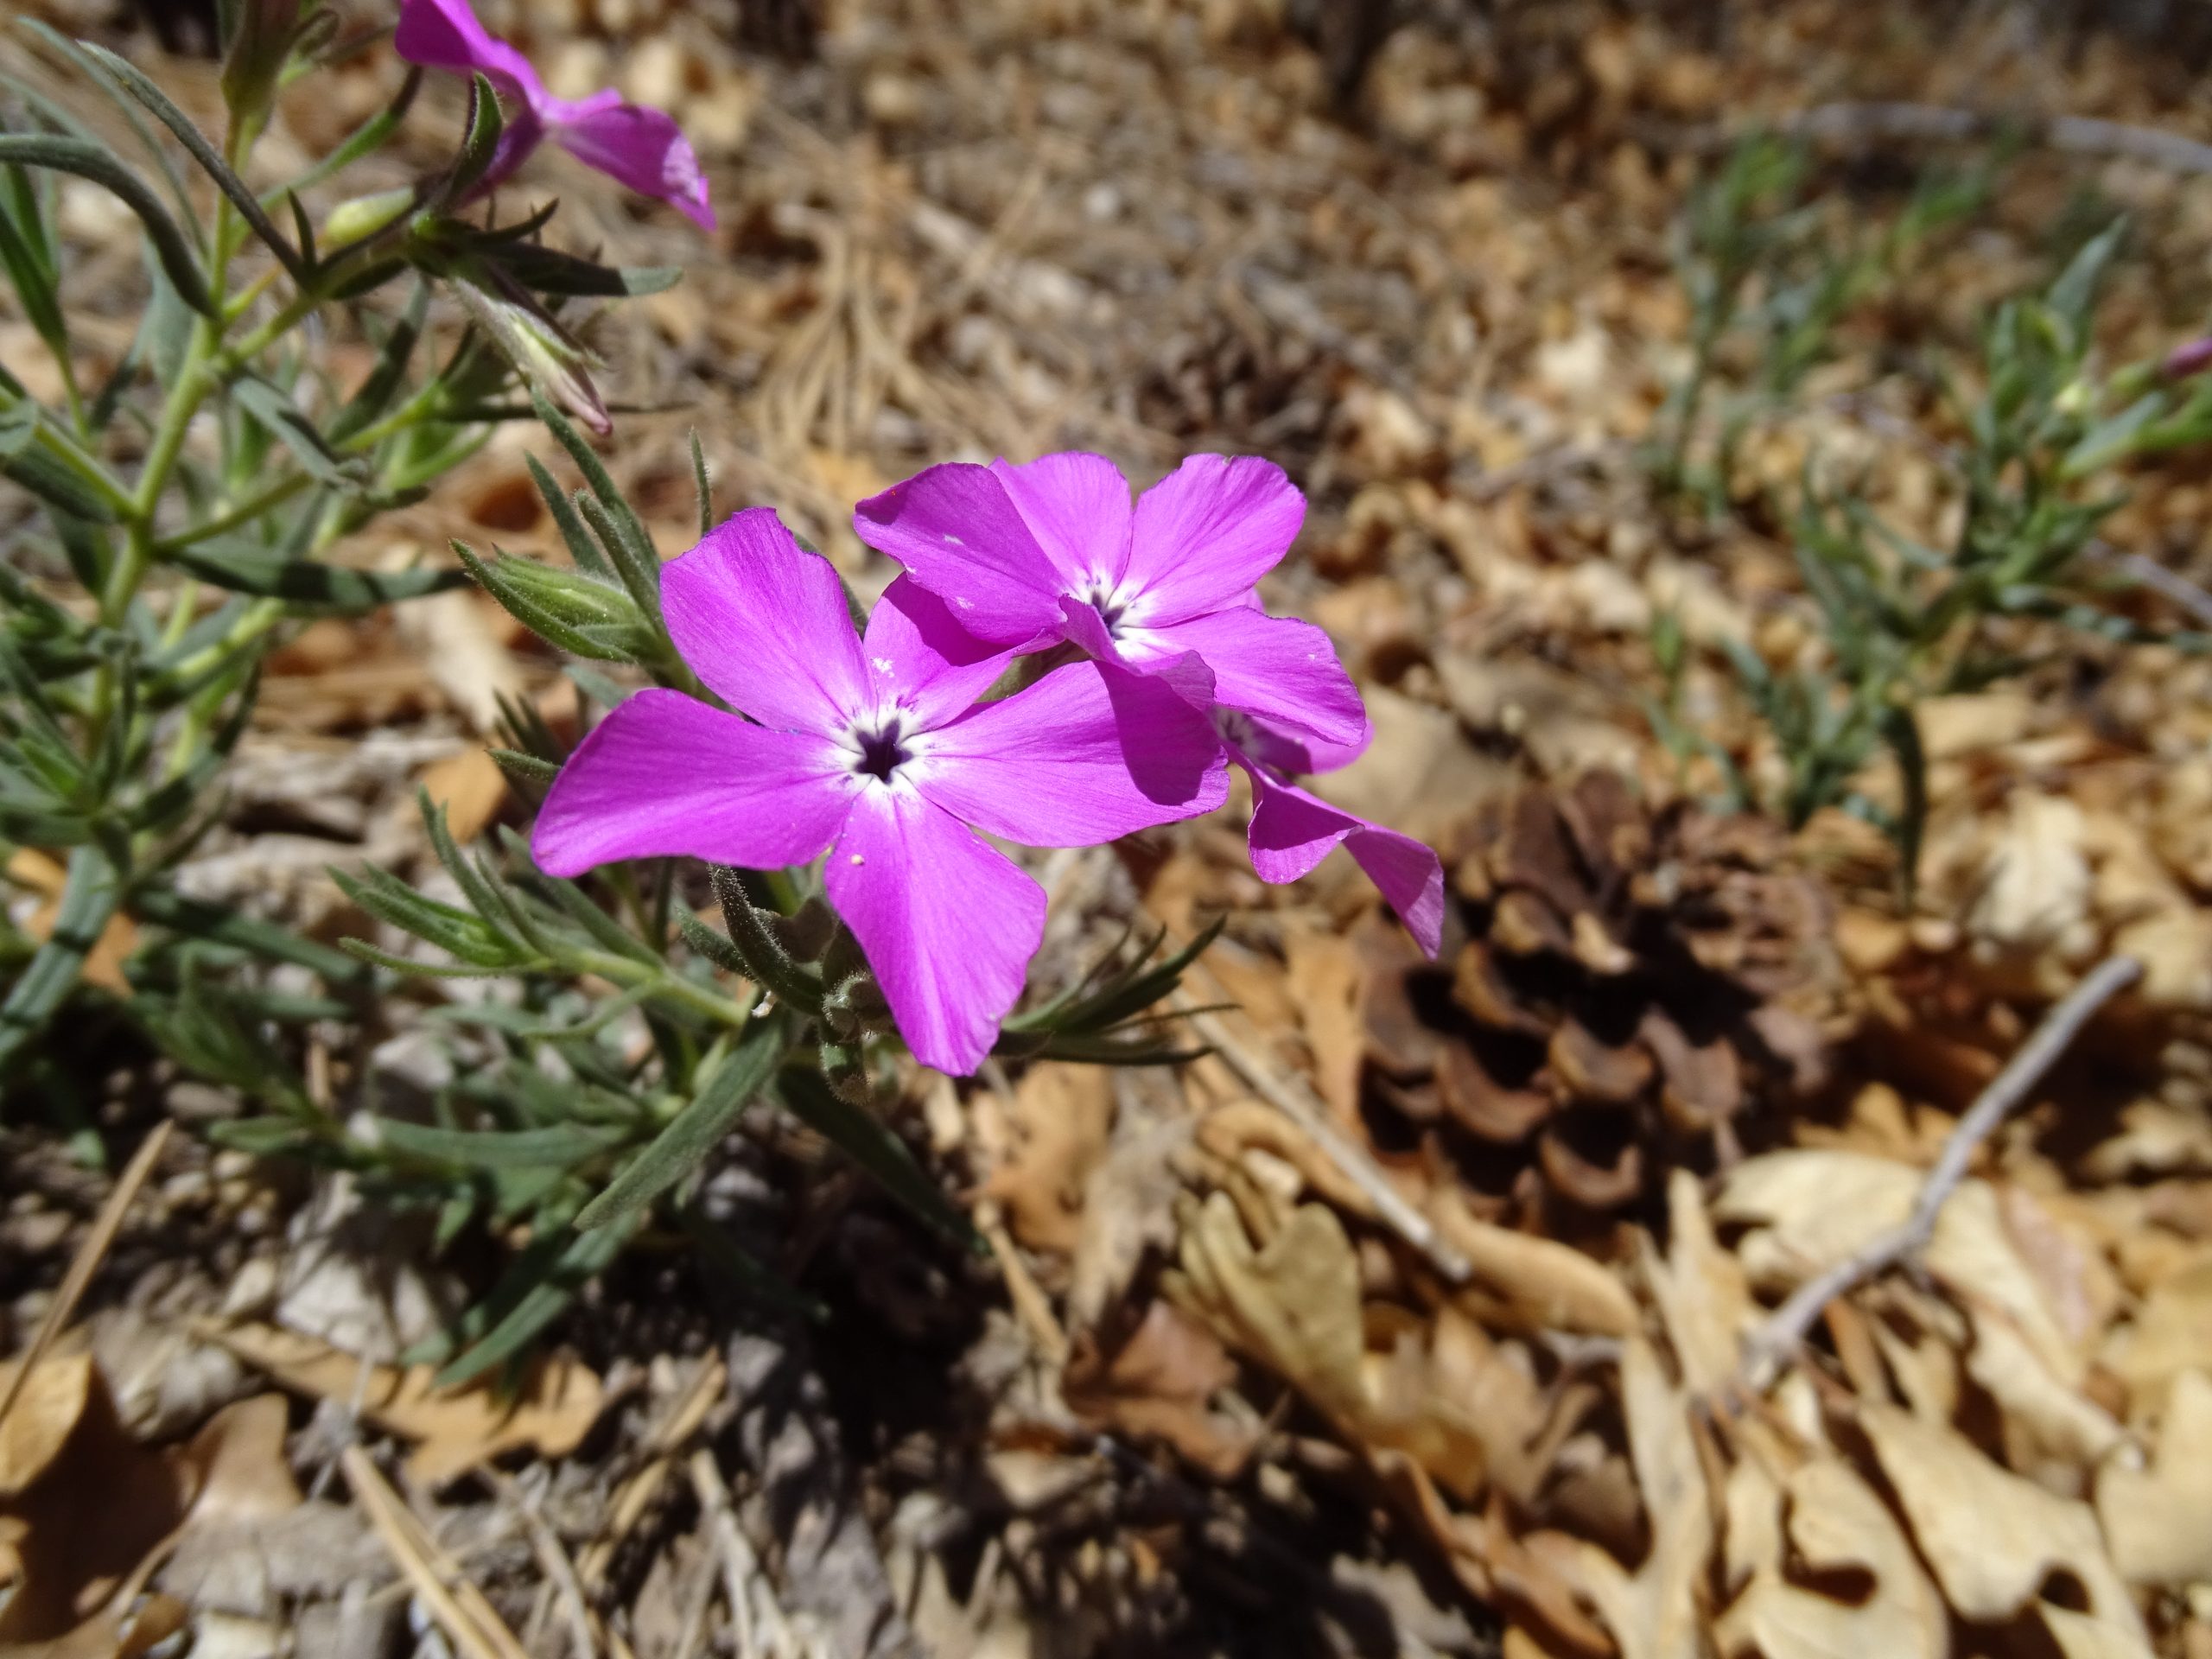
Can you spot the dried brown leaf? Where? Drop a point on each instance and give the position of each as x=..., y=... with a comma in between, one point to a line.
x=1837, y=1526
x=555, y=1407
x=1993, y=1539
x=2158, y=1520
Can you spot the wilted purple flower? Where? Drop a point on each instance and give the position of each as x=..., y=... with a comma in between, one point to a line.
x=873, y=747
x=1026, y=556
x=637, y=147
x=1029, y=556
x=1293, y=831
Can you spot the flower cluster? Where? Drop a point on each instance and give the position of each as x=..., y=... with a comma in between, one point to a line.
x=877, y=749
x=637, y=147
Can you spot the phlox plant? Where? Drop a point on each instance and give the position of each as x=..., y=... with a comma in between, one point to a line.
x=2045, y=430
x=1057, y=667
x=165, y=516
x=836, y=773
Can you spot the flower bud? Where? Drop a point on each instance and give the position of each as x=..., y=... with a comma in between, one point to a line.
x=540, y=350
x=260, y=41
x=364, y=216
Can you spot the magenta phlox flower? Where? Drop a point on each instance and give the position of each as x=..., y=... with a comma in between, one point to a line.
x=1027, y=556
x=1293, y=830
x=640, y=147
x=1030, y=554
x=873, y=747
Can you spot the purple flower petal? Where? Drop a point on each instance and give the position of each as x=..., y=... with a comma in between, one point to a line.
x=948, y=924
x=959, y=535
x=664, y=775
x=1287, y=751
x=1084, y=628
x=1205, y=533
x=764, y=622
x=1186, y=671
x=1087, y=753
x=1293, y=831
x=1077, y=507
x=921, y=660
x=445, y=34
x=1281, y=670
x=637, y=147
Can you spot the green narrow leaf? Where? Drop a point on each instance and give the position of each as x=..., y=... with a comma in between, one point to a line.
x=89, y=161
x=631, y=529
x=526, y=770
x=136, y=82
x=479, y=145
x=864, y=1138
x=268, y=574
x=32, y=280
x=93, y=71
x=693, y=1131
x=581, y=546
x=534, y=1292
x=699, y=482
x=199, y=919
x=2072, y=295
x=556, y=1146
x=385, y=379
x=273, y=408
x=44, y=473
x=90, y=894
x=363, y=140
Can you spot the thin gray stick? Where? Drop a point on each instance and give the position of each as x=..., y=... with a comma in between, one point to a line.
x=1289, y=1094
x=1779, y=1338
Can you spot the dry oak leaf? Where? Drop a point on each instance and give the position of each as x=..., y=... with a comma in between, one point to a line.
x=84, y=1503
x=1702, y=1297
x=2052, y=1433
x=2158, y=1520
x=2171, y=1334
x=1161, y=1382
x=1062, y=1115
x=1525, y=1283
x=1993, y=1539
x=455, y=1430
x=1836, y=1526
x=1811, y=1210
x=1654, y=1613
x=1294, y=1307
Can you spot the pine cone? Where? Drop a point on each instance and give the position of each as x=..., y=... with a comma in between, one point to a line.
x=1630, y=981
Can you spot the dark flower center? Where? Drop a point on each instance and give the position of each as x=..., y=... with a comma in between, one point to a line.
x=882, y=751
x=1109, y=607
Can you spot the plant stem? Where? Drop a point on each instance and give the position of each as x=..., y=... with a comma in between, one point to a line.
x=245, y=514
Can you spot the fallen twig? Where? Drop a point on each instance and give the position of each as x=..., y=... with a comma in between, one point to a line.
x=636, y=1494
x=90, y=1254
x=1289, y=1094
x=467, y=1619
x=1774, y=1342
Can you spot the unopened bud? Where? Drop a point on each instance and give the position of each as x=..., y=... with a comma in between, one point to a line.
x=364, y=216
x=259, y=45
x=541, y=352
